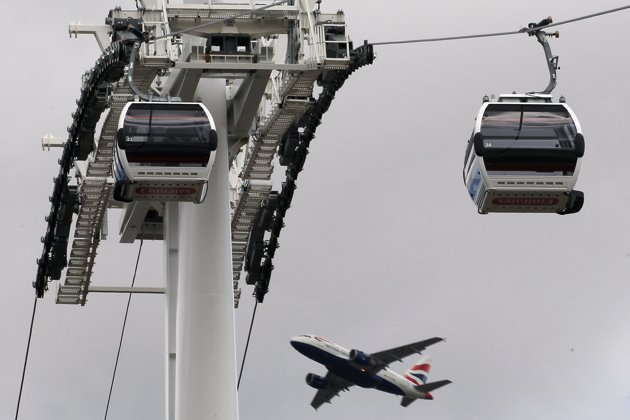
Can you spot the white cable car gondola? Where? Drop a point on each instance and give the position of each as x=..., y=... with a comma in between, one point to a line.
x=524, y=157
x=164, y=151
x=525, y=150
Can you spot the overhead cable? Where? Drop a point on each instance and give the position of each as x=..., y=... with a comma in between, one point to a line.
x=247, y=344
x=28, y=347
x=605, y=12
x=446, y=38
x=122, y=333
x=493, y=34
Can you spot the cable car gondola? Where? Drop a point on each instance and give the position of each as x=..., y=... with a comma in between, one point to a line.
x=525, y=150
x=164, y=151
x=524, y=156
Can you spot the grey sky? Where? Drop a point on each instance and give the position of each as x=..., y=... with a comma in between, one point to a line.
x=382, y=245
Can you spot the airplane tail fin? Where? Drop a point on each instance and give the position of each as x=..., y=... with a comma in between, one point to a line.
x=406, y=401
x=418, y=373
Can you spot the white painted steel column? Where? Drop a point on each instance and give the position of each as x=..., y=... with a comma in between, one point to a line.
x=171, y=257
x=206, y=356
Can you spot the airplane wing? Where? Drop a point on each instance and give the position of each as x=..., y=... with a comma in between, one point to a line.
x=334, y=385
x=398, y=353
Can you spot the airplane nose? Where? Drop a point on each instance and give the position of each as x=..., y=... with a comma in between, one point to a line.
x=295, y=341
x=299, y=343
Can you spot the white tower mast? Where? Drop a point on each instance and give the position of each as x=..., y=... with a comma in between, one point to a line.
x=205, y=377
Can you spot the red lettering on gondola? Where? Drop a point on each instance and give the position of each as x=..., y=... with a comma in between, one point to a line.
x=165, y=190
x=525, y=201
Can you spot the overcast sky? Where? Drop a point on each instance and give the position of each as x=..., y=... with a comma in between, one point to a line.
x=382, y=244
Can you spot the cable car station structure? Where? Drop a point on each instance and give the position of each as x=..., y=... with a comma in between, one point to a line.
x=277, y=95
x=198, y=102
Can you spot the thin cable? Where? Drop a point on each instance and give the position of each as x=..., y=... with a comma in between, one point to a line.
x=247, y=344
x=446, y=38
x=605, y=12
x=28, y=347
x=204, y=25
x=520, y=31
x=122, y=333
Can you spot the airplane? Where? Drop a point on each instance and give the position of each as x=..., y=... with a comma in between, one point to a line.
x=354, y=367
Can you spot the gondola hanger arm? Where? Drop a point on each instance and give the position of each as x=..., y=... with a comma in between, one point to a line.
x=552, y=61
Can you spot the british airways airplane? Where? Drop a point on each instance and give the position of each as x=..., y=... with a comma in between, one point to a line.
x=353, y=367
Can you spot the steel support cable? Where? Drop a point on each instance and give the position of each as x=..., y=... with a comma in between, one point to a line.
x=249, y=334
x=447, y=38
x=28, y=347
x=205, y=25
x=122, y=333
x=494, y=34
x=592, y=15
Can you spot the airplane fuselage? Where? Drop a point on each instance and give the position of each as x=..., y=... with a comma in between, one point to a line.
x=337, y=360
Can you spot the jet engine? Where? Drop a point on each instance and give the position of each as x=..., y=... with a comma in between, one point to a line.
x=316, y=381
x=360, y=358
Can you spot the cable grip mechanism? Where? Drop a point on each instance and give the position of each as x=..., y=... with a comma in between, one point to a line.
x=535, y=29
